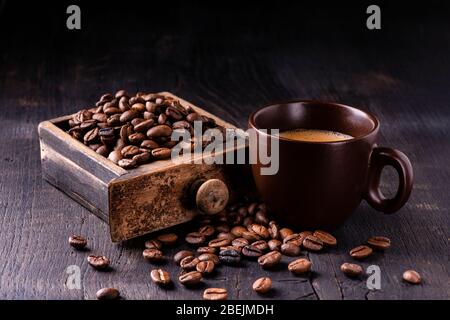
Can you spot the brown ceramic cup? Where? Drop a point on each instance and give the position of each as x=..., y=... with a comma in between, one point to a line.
x=320, y=184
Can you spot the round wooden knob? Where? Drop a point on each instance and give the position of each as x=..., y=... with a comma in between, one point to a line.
x=212, y=196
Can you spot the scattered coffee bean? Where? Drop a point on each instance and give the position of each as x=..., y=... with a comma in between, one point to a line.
x=260, y=230
x=240, y=242
x=290, y=249
x=205, y=267
x=190, y=278
x=379, y=243
x=360, y=252
x=284, y=232
x=207, y=231
x=153, y=244
x=168, y=238
x=152, y=255
x=261, y=218
x=238, y=230
x=274, y=245
x=351, y=269
x=300, y=266
x=269, y=260
x=189, y=262
x=326, y=238
x=195, y=238
x=98, y=262
x=294, y=238
x=78, y=242
x=412, y=277
x=217, y=243
x=206, y=250
x=230, y=256
x=215, y=294
x=160, y=276
x=225, y=235
x=180, y=255
x=209, y=257
x=261, y=245
x=251, y=251
x=108, y=294
x=127, y=163
x=312, y=243
x=274, y=232
x=250, y=236
x=262, y=285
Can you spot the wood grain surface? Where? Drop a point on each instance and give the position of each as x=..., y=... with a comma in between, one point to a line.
x=229, y=61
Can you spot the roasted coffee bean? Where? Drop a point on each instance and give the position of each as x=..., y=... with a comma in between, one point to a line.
x=82, y=116
x=240, y=242
x=230, y=256
x=269, y=260
x=174, y=114
x=251, y=251
x=260, y=230
x=262, y=285
x=113, y=120
x=161, y=153
x=189, y=262
x=130, y=151
x=379, y=243
x=274, y=244
x=112, y=110
x=129, y=115
x=180, y=255
x=88, y=125
x=160, y=277
x=300, y=266
x=195, y=238
x=106, y=97
x=284, y=232
x=351, y=269
x=125, y=131
x=107, y=294
x=247, y=221
x=103, y=151
x=144, y=125
x=142, y=158
x=273, y=230
x=209, y=256
x=127, y=163
x=153, y=255
x=261, y=218
x=218, y=242
x=123, y=104
x=290, y=249
x=238, y=230
x=194, y=117
x=181, y=125
x=412, y=277
x=252, y=208
x=225, y=235
x=136, y=99
x=261, y=245
x=153, y=244
x=136, y=138
x=139, y=107
x=94, y=146
x=326, y=238
x=98, y=262
x=312, y=243
x=121, y=93
x=162, y=119
x=161, y=130
x=206, y=250
x=207, y=230
x=205, y=267
x=78, y=242
x=250, y=236
x=190, y=278
x=235, y=219
x=100, y=117
x=230, y=248
x=361, y=252
x=151, y=107
x=136, y=121
x=294, y=238
x=243, y=211
x=215, y=294
x=91, y=136
x=168, y=238
x=115, y=156
x=149, y=144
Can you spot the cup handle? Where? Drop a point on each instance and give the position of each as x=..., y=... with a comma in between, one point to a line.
x=380, y=158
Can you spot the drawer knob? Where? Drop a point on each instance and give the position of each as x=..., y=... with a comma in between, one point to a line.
x=212, y=196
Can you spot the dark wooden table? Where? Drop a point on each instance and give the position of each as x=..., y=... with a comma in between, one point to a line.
x=230, y=61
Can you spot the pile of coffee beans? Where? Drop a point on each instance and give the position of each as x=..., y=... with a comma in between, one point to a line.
x=134, y=130
x=244, y=231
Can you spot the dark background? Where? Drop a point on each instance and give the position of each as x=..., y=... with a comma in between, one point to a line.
x=229, y=57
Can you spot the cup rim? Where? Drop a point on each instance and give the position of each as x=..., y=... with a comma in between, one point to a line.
x=251, y=121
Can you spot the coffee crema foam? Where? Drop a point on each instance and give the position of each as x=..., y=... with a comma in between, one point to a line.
x=314, y=135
